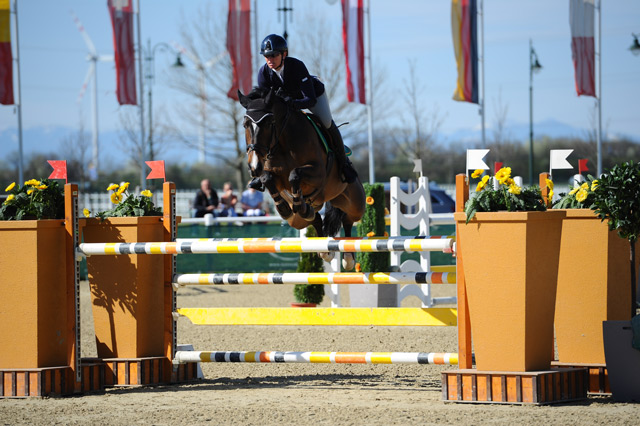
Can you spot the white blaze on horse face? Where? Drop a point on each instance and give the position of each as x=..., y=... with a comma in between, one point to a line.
x=254, y=160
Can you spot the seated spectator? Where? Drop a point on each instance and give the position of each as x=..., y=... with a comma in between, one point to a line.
x=251, y=202
x=228, y=201
x=206, y=200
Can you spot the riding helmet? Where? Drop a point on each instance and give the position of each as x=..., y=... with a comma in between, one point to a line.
x=273, y=43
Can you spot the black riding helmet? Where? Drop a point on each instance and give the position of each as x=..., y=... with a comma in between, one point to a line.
x=273, y=43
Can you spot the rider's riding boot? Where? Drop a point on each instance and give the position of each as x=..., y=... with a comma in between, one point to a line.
x=345, y=165
x=256, y=184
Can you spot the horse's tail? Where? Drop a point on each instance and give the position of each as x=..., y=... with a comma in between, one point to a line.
x=332, y=220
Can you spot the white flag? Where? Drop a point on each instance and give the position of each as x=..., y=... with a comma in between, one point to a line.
x=558, y=159
x=475, y=159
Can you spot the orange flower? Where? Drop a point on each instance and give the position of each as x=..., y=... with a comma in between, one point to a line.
x=358, y=267
x=371, y=234
x=370, y=200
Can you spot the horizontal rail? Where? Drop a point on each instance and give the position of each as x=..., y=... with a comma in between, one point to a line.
x=318, y=278
x=264, y=245
x=440, y=358
x=322, y=316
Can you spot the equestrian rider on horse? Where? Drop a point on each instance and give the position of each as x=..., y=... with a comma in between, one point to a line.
x=302, y=91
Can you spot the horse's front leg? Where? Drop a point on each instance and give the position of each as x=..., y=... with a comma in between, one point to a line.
x=317, y=224
x=283, y=208
x=300, y=206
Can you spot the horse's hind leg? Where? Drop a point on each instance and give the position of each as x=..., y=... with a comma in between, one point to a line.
x=348, y=259
x=268, y=180
x=317, y=224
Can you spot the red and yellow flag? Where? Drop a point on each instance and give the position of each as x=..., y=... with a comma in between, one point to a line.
x=465, y=42
x=6, y=59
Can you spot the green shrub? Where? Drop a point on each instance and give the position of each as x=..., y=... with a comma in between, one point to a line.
x=372, y=224
x=309, y=262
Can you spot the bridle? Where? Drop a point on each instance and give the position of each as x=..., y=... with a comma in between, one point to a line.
x=275, y=132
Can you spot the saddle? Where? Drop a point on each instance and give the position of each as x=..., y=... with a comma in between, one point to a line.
x=322, y=132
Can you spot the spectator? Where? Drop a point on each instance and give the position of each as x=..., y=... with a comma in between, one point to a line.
x=251, y=202
x=228, y=200
x=206, y=200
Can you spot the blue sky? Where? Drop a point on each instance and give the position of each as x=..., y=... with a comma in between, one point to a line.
x=53, y=64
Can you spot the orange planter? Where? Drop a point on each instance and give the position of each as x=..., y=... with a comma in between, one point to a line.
x=33, y=306
x=510, y=262
x=593, y=286
x=126, y=290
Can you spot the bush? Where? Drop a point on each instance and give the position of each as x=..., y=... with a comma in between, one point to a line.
x=309, y=262
x=372, y=224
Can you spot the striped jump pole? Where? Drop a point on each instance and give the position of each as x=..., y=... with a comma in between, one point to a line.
x=318, y=278
x=439, y=358
x=268, y=245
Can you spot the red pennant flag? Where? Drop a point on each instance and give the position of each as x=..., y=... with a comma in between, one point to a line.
x=157, y=170
x=59, y=169
x=497, y=166
x=353, y=41
x=6, y=60
x=239, y=46
x=582, y=165
x=121, y=12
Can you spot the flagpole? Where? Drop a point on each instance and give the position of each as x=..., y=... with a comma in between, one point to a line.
x=372, y=177
x=141, y=102
x=19, y=103
x=599, y=98
x=482, y=111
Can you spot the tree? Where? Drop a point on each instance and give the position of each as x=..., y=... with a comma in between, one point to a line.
x=75, y=149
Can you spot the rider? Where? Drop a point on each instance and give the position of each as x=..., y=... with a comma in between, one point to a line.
x=303, y=91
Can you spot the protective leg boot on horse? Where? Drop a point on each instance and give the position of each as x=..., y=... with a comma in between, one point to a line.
x=256, y=184
x=337, y=145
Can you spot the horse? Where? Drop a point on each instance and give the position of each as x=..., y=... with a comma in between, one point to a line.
x=286, y=152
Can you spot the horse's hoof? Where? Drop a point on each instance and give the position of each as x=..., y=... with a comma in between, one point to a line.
x=348, y=262
x=327, y=257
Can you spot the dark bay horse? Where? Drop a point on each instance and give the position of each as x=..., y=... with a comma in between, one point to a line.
x=285, y=151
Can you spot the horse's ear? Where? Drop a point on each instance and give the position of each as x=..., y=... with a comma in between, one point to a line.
x=244, y=101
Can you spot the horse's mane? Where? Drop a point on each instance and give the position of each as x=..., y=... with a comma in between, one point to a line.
x=258, y=93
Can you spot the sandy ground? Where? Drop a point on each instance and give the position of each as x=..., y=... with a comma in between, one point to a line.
x=297, y=393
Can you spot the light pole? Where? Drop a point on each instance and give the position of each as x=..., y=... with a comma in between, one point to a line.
x=534, y=67
x=635, y=46
x=150, y=77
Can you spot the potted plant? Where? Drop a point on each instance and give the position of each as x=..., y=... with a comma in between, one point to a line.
x=592, y=278
x=126, y=290
x=617, y=200
x=33, y=253
x=309, y=295
x=510, y=248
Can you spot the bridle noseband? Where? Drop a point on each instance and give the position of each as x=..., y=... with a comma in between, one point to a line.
x=275, y=134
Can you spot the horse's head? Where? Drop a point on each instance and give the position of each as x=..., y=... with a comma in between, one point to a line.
x=263, y=107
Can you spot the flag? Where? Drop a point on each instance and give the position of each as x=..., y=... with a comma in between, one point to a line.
x=6, y=58
x=465, y=43
x=157, y=169
x=239, y=46
x=353, y=40
x=121, y=12
x=582, y=165
x=497, y=166
x=59, y=169
x=475, y=159
x=558, y=159
x=581, y=16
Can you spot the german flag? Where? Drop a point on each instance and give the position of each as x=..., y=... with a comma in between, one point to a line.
x=465, y=42
x=6, y=59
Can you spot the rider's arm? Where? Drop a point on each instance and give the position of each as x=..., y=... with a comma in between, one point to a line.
x=304, y=81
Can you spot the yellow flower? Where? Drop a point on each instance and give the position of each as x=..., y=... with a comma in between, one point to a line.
x=477, y=173
x=10, y=187
x=116, y=198
x=42, y=186
x=585, y=186
x=146, y=193
x=30, y=191
x=9, y=198
x=550, y=195
x=581, y=195
x=370, y=200
x=594, y=185
x=573, y=191
x=371, y=234
x=482, y=183
x=123, y=187
x=86, y=212
x=32, y=182
x=112, y=187
x=515, y=189
x=503, y=174
x=509, y=182
x=549, y=183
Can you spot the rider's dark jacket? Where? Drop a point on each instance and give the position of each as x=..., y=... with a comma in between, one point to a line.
x=298, y=83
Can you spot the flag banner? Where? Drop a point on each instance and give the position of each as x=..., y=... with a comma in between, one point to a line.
x=121, y=12
x=59, y=169
x=465, y=43
x=239, y=46
x=497, y=166
x=157, y=169
x=582, y=165
x=6, y=58
x=353, y=40
x=475, y=159
x=582, y=20
x=558, y=159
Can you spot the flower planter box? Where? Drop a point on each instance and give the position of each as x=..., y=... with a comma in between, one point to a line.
x=593, y=286
x=126, y=290
x=510, y=262
x=33, y=306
